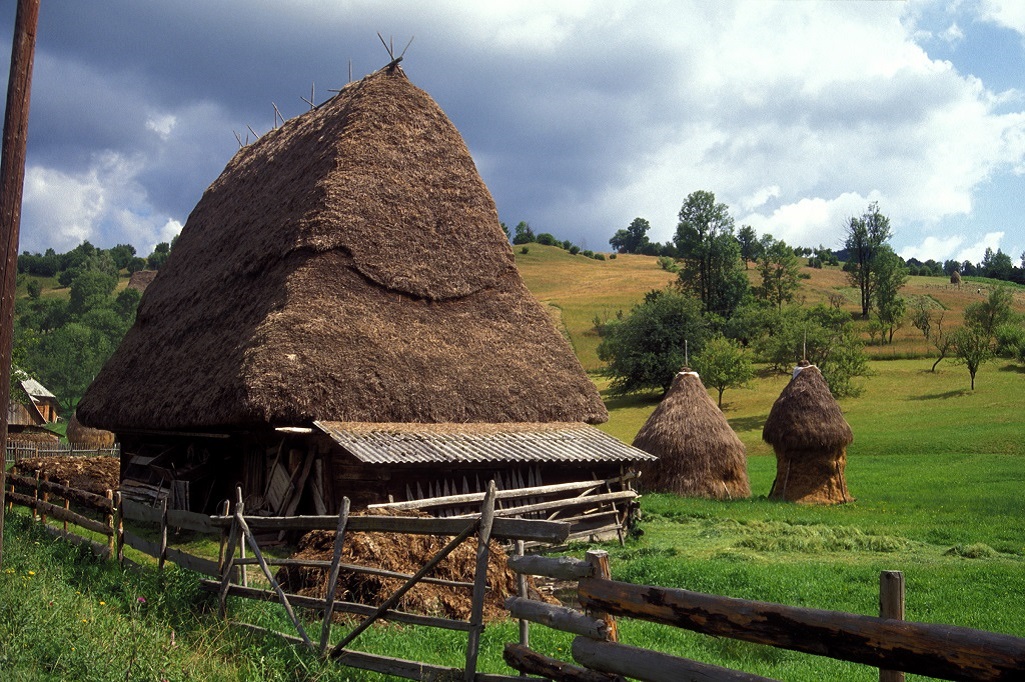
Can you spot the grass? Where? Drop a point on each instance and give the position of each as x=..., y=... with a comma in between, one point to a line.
x=936, y=470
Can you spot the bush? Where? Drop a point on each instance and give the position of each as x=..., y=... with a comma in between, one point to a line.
x=599, y=256
x=525, y=249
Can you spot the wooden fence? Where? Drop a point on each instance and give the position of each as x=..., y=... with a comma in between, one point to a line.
x=888, y=642
x=228, y=575
x=18, y=450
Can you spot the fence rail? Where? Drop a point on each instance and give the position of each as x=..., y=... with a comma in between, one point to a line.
x=893, y=645
x=228, y=575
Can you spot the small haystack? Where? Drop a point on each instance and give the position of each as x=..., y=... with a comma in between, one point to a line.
x=810, y=436
x=698, y=453
x=955, y=279
x=86, y=438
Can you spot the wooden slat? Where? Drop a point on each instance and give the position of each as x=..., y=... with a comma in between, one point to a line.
x=942, y=651
x=560, y=618
x=507, y=529
x=186, y=520
x=67, y=515
x=145, y=546
x=355, y=568
x=192, y=562
x=502, y=494
x=562, y=568
x=340, y=606
x=651, y=666
x=526, y=660
x=136, y=511
x=83, y=497
x=595, y=500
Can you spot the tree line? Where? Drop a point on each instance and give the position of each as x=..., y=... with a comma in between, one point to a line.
x=713, y=320
x=63, y=338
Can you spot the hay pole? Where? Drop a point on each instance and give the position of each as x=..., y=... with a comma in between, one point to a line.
x=332, y=581
x=339, y=648
x=480, y=579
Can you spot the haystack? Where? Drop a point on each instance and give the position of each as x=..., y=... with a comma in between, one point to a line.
x=698, y=453
x=955, y=278
x=348, y=266
x=84, y=437
x=810, y=436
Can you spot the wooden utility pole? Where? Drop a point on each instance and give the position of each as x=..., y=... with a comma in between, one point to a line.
x=12, y=181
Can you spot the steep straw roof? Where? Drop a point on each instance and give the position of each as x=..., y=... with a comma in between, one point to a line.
x=348, y=266
x=806, y=416
x=699, y=453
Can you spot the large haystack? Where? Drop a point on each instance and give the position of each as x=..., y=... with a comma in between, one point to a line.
x=810, y=436
x=698, y=453
x=348, y=266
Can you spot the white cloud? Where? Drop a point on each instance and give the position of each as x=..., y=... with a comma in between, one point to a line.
x=162, y=124
x=1007, y=13
x=974, y=253
x=759, y=198
x=936, y=248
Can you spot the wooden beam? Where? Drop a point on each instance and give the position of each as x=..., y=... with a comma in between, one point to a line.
x=943, y=651
x=528, y=661
x=651, y=666
x=562, y=568
x=561, y=618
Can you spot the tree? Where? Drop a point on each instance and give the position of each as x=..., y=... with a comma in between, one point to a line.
x=996, y=265
x=160, y=254
x=972, y=346
x=633, y=239
x=890, y=275
x=723, y=364
x=779, y=269
x=941, y=341
x=994, y=311
x=646, y=348
x=90, y=289
x=865, y=238
x=750, y=249
x=710, y=254
x=523, y=234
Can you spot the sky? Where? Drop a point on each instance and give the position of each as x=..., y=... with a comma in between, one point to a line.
x=581, y=115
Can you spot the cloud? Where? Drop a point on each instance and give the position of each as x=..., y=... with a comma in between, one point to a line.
x=1007, y=13
x=975, y=252
x=936, y=248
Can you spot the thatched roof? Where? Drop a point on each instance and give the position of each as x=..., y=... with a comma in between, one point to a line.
x=806, y=416
x=699, y=453
x=347, y=266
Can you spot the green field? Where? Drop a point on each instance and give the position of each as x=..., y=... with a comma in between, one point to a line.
x=937, y=470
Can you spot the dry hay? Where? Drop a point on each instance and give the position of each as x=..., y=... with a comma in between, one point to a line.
x=92, y=474
x=348, y=266
x=32, y=435
x=86, y=437
x=699, y=455
x=406, y=554
x=810, y=436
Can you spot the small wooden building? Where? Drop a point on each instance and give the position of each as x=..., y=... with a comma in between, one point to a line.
x=342, y=316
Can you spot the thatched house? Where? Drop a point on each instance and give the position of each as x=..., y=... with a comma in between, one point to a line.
x=699, y=455
x=28, y=416
x=810, y=436
x=344, y=278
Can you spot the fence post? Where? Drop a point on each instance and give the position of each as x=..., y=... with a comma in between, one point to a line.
x=891, y=605
x=119, y=529
x=10, y=488
x=239, y=507
x=480, y=581
x=35, y=499
x=599, y=560
x=67, y=503
x=110, y=524
x=222, y=557
x=46, y=498
x=163, y=536
x=332, y=580
x=521, y=592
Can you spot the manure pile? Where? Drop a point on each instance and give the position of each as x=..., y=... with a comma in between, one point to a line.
x=403, y=554
x=93, y=474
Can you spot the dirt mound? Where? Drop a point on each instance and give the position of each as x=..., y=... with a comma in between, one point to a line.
x=404, y=554
x=94, y=474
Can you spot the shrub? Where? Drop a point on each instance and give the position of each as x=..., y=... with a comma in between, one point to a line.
x=525, y=249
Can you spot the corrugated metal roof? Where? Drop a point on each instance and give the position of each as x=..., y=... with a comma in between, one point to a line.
x=392, y=443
